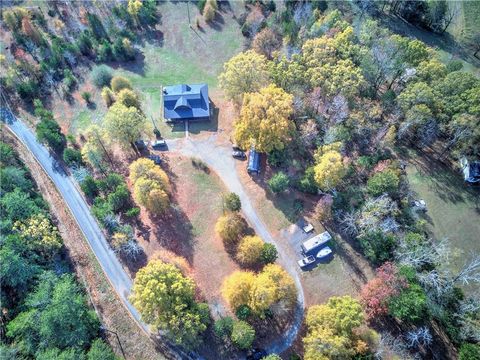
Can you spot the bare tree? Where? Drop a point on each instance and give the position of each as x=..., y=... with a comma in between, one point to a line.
x=417, y=337
x=131, y=249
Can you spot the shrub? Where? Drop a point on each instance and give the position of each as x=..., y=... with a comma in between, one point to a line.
x=377, y=246
x=86, y=96
x=119, y=199
x=278, y=182
x=307, y=183
x=89, y=187
x=386, y=181
x=133, y=212
x=72, y=156
x=119, y=83
x=454, y=65
x=223, y=327
x=242, y=335
x=230, y=228
x=249, y=250
x=101, y=76
x=269, y=253
x=232, y=202
x=243, y=312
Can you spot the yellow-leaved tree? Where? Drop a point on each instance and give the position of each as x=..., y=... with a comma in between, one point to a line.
x=125, y=124
x=272, y=286
x=165, y=299
x=264, y=120
x=150, y=185
x=329, y=167
x=40, y=234
x=337, y=330
x=243, y=73
x=230, y=228
x=249, y=250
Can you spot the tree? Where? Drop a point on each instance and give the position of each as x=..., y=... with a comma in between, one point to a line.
x=469, y=351
x=237, y=287
x=101, y=76
x=134, y=7
x=249, y=250
x=269, y=253
x=108, y=96
x=119, y=83
x=232, y=202
x=278, y=182
x=87, y=96
x=166, y=300
x=151, y=185
x=17, y=205
x=272, y=357
x=242, y=335
x=94, y=150
x=72, y=156
x=266, y=42
x=40, y=234
x=323, y=209
x=210, y=10
x=128, y=98
x=99, y=350
x=386, y=181
x=244, y=73
x=271, y=286
x=377, y=293
x=230, y=228
x=89, y=187
x=377, y=246
x=125, y=124
x=329, y=168
x=265, y=120
x=333, y=330
x=223, y=327
x=410, y=305
x=49, y=321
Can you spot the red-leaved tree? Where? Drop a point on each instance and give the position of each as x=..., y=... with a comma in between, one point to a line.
x=378, y=291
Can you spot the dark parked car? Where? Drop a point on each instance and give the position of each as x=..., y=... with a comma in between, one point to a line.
x=257, y=354
x=156, y=159
x=159, y=144
x=238, y=154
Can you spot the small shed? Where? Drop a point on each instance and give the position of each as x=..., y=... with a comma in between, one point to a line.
x=253, y=161
x=186, y=102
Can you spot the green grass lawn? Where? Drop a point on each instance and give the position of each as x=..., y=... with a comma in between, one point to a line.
x=183, y=56
x=453, y=207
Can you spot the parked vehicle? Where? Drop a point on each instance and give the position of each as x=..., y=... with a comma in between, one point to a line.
x=141, y=144
x=308, y=260
x=159, y=144
x=253, y=162
x=238, y=154
x=314, y=243
x=325, y=252
x=307, y=228
x=156, y=159
x=471, y=171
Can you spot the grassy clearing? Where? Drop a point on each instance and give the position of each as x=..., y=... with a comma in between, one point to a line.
x=453, y=208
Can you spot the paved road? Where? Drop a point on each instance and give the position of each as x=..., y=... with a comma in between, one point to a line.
x=81, y=212
x=218, y=157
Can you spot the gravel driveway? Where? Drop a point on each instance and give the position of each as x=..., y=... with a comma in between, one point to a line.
x=218, y=157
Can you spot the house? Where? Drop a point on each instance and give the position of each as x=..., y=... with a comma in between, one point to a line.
x=186, y=102
x=253, y=161
x=471, y=171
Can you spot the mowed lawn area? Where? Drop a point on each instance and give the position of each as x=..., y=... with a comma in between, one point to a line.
x=453, y=207
x=174, y=54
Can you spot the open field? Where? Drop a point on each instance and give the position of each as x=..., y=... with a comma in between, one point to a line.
x=453, y=207
x=175, y=54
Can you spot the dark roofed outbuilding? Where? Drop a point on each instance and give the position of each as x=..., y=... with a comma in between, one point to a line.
x=186, y=102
